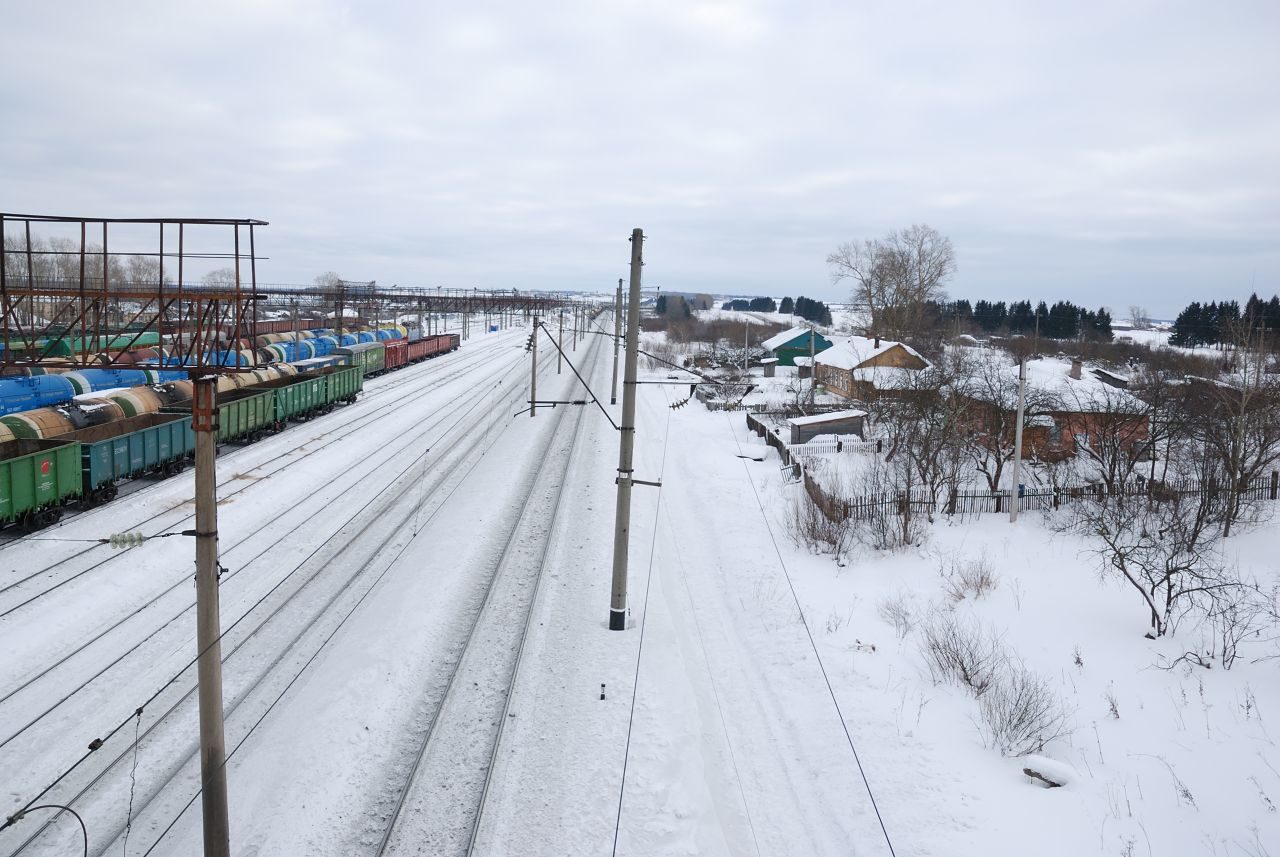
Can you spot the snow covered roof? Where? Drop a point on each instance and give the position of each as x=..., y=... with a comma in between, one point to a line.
x=801, y=361
x=829, y=416
x=783, y=338
x=853, y=351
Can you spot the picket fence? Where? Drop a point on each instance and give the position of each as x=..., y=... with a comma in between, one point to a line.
x=967, y=504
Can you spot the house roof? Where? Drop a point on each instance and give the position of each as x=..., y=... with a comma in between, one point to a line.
x=852, y=352
x=781, y=339
x=828, y=417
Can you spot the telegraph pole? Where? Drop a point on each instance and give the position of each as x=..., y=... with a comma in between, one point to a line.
x=626, y=444
x=617, y=336
x=1017, y=438
x=213, y=748
x=533, y=372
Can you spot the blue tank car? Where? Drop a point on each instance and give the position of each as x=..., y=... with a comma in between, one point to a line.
x=93, y=380
x=36, y=391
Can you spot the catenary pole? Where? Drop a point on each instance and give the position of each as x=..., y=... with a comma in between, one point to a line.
x=213, y=771
x=1017, y=439
x=626, y=444
x=617, y=337
x=533, y=372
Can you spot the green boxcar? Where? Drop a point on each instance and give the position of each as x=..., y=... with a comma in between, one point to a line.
x=342, y=383
x=244, y=414
x=369, y=357
x=159, y=443
x=36, y=478
x=297, y=397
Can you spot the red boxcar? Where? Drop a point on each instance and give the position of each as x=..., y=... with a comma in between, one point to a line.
x=397, y=353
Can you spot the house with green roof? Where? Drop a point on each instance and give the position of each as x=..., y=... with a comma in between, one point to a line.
x=793, y=343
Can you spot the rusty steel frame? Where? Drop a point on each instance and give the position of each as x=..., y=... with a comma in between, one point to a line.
x=198, y=320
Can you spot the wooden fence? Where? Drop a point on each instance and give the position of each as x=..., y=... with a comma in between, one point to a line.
x=967, y=504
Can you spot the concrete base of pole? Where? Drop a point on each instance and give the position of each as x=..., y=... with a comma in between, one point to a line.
x=617, y=620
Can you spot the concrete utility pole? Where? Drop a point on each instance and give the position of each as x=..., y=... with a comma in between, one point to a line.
x=560, y=343
x=213, y=748
x=297, y=333
x=577, y=320
x=617, y=336
x=1017, y=438
x=626, y=444
x=533, y=372
x=813, y=367
x=746, y=344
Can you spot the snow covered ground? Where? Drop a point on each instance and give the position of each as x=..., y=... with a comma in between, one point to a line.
x=757, y=701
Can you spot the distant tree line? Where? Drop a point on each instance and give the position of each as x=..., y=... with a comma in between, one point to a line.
x=1222, y=322
x=807, y=308
x=1062, y=320
x=753, y=305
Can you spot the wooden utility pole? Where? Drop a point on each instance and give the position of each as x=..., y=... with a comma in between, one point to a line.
x=626, y=445
x=1017, y=439
x=213, y=748
x=617, y=337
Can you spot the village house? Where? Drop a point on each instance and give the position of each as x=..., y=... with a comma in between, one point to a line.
x=863, y=368
x=793, y=343
x=1067, y=408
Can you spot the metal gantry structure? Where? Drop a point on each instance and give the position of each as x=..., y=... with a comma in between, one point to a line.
x=78, y=292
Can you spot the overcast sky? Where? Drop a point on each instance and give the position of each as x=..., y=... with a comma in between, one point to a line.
x=1106, y=153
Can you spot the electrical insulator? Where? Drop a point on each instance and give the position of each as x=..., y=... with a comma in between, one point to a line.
x=126, y=540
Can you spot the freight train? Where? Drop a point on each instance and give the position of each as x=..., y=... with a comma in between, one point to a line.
x=77, y=452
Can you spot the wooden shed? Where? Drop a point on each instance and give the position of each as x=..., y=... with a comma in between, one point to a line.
x=848, y=422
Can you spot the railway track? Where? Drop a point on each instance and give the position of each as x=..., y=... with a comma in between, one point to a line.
x=15, y=595
x=462, y=720
x=281, y=526
x=354, y=546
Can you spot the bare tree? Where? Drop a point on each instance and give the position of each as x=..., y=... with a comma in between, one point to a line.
x=991, y=388
x=1161, y=544
x=1238, y=422
x=1138, y=317
x=1114, y=428
x=893, y=277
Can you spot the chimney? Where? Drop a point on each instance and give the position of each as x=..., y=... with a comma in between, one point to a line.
x=1076, y=366
x=877, y=342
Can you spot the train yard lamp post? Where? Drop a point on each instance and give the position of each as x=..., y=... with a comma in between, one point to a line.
x=626, y=445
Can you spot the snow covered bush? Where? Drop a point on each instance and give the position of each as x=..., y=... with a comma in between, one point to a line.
x=816, y=530
x=962, y=652
x=897, y=611
x=967, y=578
x=1020, y=712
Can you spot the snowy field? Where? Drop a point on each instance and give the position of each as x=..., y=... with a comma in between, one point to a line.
x=756, y=702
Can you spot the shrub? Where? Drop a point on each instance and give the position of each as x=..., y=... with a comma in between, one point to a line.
x=1020, y=713
x=961, y=652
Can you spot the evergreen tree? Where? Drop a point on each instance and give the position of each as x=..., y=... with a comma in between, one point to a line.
x=787, y=307
x=660, y=305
